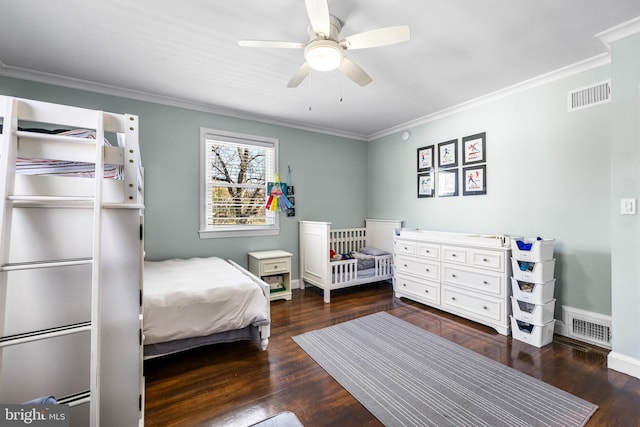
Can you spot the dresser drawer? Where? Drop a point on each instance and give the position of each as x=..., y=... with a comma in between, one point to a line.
x=476, y=280
x=477, y=306
x=405, y=247
x=420, y=289
x=487, y=259
x=275, y=265
x=454, y=254
x=425, y=250
x=418, y=267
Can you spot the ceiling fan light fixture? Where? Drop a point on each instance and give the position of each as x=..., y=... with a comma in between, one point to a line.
x=323, y=55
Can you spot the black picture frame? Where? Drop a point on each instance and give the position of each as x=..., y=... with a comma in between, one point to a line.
x=474, y=149
x=447, y=182
x=448, y=154
x=426, y=187
x=474, y=180
x=425, y=158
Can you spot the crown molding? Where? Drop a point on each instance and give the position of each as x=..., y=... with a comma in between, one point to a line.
x=615, y=33
x=619, y=32
x=579, y=67
x=111, y=90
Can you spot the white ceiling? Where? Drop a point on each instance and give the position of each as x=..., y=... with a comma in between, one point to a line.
x=186, y=52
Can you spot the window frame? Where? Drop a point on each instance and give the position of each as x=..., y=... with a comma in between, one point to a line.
x=238, y=230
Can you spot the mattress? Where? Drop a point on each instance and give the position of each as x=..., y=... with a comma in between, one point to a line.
x=186, y=298
x=33, y=166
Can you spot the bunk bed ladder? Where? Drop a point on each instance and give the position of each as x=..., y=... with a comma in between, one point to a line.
x=10, y=201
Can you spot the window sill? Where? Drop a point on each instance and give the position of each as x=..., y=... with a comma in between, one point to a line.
x=220, y=234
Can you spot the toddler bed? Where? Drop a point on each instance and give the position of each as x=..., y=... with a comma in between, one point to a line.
x=199, y=301
x=340, y=258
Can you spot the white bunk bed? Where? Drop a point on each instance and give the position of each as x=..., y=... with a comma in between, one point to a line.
x=70, y=261
x=371, y=248
x=193, y=302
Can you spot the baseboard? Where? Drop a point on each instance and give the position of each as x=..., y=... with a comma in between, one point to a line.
x=295, y=284
x=560, y=328
x=625, y=364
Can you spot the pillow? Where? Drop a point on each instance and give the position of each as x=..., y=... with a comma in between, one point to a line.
x=360, y=255
x=373, y=251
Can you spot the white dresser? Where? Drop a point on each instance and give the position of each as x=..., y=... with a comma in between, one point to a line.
x=464, y=274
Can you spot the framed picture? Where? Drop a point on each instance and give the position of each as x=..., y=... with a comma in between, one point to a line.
x=448, y=154
x=425, y=184
x=425, y=158
x=448, y=182
x=475, y=180
x=474, y=149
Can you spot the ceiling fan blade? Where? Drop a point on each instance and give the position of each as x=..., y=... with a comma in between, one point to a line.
x=354, y=72
x=379, y=37
x=318, y=11
x=299, y=75
x=270, y=43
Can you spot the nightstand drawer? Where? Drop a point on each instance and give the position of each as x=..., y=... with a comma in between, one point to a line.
x=275, y=265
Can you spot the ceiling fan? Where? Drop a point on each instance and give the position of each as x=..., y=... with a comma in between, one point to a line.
x=325, y=50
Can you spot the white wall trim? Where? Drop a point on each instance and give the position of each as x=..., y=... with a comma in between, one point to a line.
x=625, y=364
x=295, y=284
x=579, y=67
x=73, y=83
x=619, y=32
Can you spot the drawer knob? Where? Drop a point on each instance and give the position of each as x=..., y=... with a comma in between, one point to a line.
x=405, y=265
x=428, y=251
x=453, y=298
x=484, y=282
x=275, y=267
x=426, y=291
x=484, y=307
x=453, y=275
x=454, y=255
x=404, y=284
x=427, y=270
x=485, y=259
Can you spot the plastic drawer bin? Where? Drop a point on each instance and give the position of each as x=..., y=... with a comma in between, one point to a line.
x=536, y=293
x=536, y=335
x=538, y=314
x=535, y=272
x=532, y=249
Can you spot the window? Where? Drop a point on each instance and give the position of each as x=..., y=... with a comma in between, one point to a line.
x=235, y=170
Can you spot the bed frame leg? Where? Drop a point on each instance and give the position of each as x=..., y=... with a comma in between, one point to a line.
x=264, y=343
x=327, y=296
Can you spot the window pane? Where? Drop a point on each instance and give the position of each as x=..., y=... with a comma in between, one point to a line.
x=236, y=172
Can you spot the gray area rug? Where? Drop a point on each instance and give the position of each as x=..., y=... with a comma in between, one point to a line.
x=406, y=376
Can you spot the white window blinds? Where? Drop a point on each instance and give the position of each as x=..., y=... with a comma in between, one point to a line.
x=236, y=172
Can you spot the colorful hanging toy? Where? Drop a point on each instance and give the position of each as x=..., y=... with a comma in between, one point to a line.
x=277, y=199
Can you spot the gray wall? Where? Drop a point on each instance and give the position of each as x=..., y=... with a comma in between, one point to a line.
x=625, y=236
x=329, y=173
x=548, y=175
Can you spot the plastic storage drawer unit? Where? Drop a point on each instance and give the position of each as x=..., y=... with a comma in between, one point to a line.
x=532, y=249
x=536, y=272
x=536, y=335
x=538, y=314
x=536, y=293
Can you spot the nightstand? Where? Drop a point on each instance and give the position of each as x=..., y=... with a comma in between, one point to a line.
x=274, y=267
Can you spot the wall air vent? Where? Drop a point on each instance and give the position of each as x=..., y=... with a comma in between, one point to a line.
x=589, y=96
x=588, y=327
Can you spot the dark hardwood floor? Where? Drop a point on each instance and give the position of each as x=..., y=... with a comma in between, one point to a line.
x=236, y=384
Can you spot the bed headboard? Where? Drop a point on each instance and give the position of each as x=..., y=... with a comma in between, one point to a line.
x=380, y=233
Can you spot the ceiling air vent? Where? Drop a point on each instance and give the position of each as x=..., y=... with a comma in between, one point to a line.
x=588, y=327
x=589, y=96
